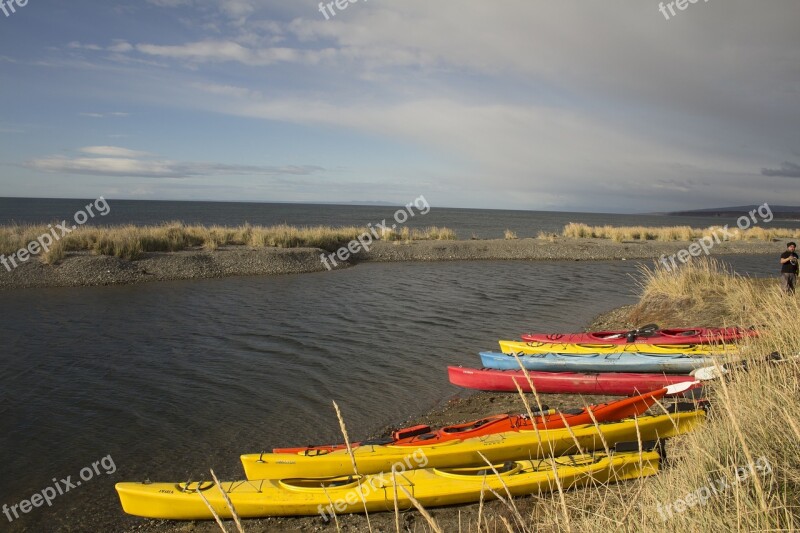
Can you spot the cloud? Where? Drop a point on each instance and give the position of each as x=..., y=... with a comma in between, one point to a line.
x=238, y=8
x=787, y=170
x=170, y=3
x=113, y=151
x=120, y=46
x=122, y=162
x=104, y=115
x=81, y=46
x=218, y=51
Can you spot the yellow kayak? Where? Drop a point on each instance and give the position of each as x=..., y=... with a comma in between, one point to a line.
x=498, y=447
x=547, y=347
x=349, y=494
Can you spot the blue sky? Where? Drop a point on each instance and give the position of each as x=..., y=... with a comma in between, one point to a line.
x=519, y=104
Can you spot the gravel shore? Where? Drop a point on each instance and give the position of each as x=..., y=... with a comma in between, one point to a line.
x=83, y=269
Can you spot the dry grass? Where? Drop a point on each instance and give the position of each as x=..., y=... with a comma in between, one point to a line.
x=432, y=233
x=753, y=416
x=576, y=230
x=547, y=236
x=509, y=235
x=130, y=242
x=707, y=293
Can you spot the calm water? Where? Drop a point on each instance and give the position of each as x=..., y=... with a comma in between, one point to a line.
x=173, y=378
x=481, y=223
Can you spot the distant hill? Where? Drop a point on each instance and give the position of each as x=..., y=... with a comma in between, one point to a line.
x=779, y=211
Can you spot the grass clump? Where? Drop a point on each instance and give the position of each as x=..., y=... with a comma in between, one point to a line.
x=547, y=236
x=431, y=233
x=510, y=235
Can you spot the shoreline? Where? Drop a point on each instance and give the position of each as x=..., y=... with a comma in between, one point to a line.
x=80, y=269
x=463, y=406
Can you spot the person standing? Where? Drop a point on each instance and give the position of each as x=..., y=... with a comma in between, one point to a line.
x=789, y=268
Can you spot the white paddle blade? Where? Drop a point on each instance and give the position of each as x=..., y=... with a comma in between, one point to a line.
x=676, y=388
x=708, y=372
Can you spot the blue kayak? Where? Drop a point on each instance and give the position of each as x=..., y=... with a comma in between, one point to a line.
x=607, y=362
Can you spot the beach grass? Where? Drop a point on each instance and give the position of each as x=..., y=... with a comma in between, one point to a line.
x=741, y=470
x=576, y=230
x=431, y=233
x=131, y=242
x=547, y=236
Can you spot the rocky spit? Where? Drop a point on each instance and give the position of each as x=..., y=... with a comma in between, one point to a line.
x=85, y=269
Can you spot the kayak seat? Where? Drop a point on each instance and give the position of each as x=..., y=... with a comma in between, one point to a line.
x=682, y=407
x=313, y=452
x=633, y=446
x=378, y=442
x=338, y=482
x=412, y=431
x=507, y=467
x=469, y=427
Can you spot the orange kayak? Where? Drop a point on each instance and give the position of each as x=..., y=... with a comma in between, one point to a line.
x=549, y=419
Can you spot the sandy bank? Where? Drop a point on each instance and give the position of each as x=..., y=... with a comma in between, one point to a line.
x=84, y=269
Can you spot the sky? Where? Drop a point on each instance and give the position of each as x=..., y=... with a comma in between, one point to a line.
x=574, y=105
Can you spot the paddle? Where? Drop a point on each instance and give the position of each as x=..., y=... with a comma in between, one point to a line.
x=645, y=331
x=712, y=372
x=683, y=386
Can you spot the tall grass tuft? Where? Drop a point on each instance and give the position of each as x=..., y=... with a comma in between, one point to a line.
x=431, y=233
x=547, y=236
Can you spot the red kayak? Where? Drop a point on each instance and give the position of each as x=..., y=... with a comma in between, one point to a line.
x=611, y=383
x=550, y=419
x=647, y=335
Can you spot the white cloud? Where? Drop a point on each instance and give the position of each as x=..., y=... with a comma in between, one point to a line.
x=215, y=51
x=104, y=115
x=170, y=3
x=120, y=46
x=113, y=151
x=122, y=162
x=79, y=45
